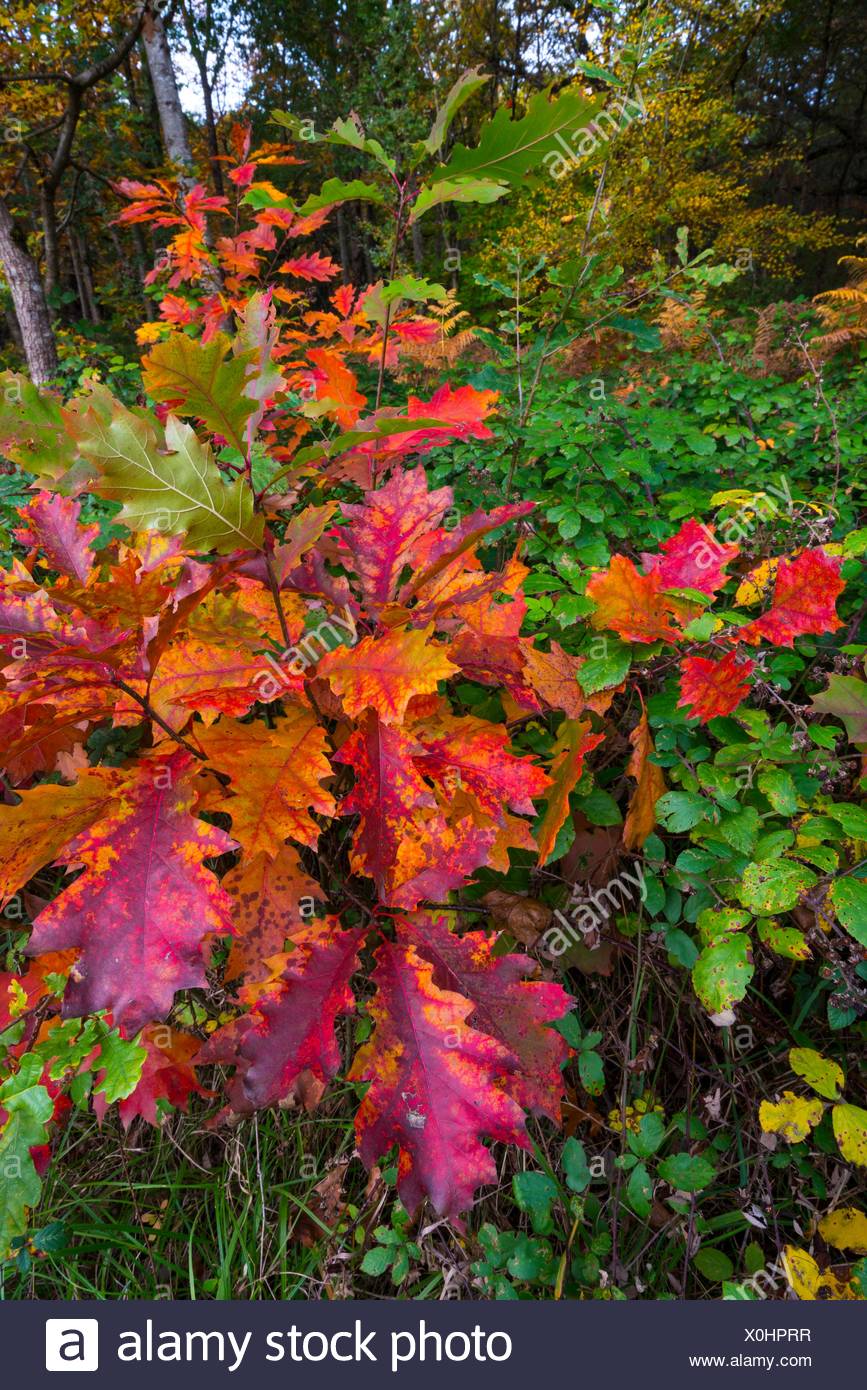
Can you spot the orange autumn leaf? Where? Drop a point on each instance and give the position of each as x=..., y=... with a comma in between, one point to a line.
x=650, y=785
x=276, y=779
x=713, y=688
x=805, y=594
x=334, y=382
x=632, y=604
x=384, y=673
x=574, y=742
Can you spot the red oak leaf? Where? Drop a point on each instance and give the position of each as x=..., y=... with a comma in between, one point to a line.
x=553, y=676
x=311, y=267
x=293, y=1021
x=276, y=779
x=389, y=527
x=388, y=794
x=384, y=673
x=435, y=1087
x=474, y=754
x=447, y=545
x=631, y=604
x=692, y=559
x=462, y=408
x=53, y=527
x=334, y=381
x=144, y=902
x=436, y=856
x=508, y=1007
x=805, y=595
x=270, y=901
x=709, y=689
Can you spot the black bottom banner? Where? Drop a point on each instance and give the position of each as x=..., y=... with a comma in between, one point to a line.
x=371, y=1344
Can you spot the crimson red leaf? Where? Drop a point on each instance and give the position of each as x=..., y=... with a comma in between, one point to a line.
x=436, y=1087
x=144, y=902
x=508, y=1007
x=713, y=688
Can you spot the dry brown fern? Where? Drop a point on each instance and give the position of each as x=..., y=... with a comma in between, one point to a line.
x=452, y=341
x=843, y=311
x=681, y=323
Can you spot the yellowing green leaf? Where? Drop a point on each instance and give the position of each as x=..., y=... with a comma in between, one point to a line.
x=823, y=1075
x=802, y=1272
x=793, y=1117
x=179, y=491
x=850, y=1131
x=846, y=1229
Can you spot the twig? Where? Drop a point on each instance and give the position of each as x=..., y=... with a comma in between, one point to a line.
x=157, y=718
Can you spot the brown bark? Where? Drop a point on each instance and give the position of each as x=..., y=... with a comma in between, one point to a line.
x=28, y=297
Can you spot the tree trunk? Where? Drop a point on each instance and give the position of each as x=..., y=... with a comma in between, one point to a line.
x=48, y=211
x=343, y=243
x=172, y=123
x=28, y=296
x=211, y=128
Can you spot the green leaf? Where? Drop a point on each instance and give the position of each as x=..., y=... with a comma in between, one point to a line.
x=740, y=830
x=412, y=288
x=508, y=150
x=774, y=886
x=534, y=1193
x=467, y=84
x=779, y=788
x=722, y=972
x=591, y=1072
x=601, y=672
x=687, y=1172
x=33, y=432
x=713, y=1264
x=335, y=191
x=852, y=818
x=681, y=948
x=849, y=896
x=206, y=380
x=599, y=807
x=455, y=191
x=182, y=491
x=121, y=1060
x=715, y=921
x=28, y=1109
x=575, y=1166
x=346, y=131
x=651, y=1133
x=377, y=1260
x=681, y=811
x=639, y=1191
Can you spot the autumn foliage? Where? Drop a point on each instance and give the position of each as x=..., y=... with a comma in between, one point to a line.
x=283, y=623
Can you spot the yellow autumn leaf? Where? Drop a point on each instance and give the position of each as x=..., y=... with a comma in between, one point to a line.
x=757, y=584
x=793, y=1117
x=850, y=1131
x=802, y=1273
x=846, y=1229
x=825, y=1076
x=150, y=333
x=839, y=1290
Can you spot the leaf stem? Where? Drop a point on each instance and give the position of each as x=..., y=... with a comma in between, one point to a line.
x=157, y=718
